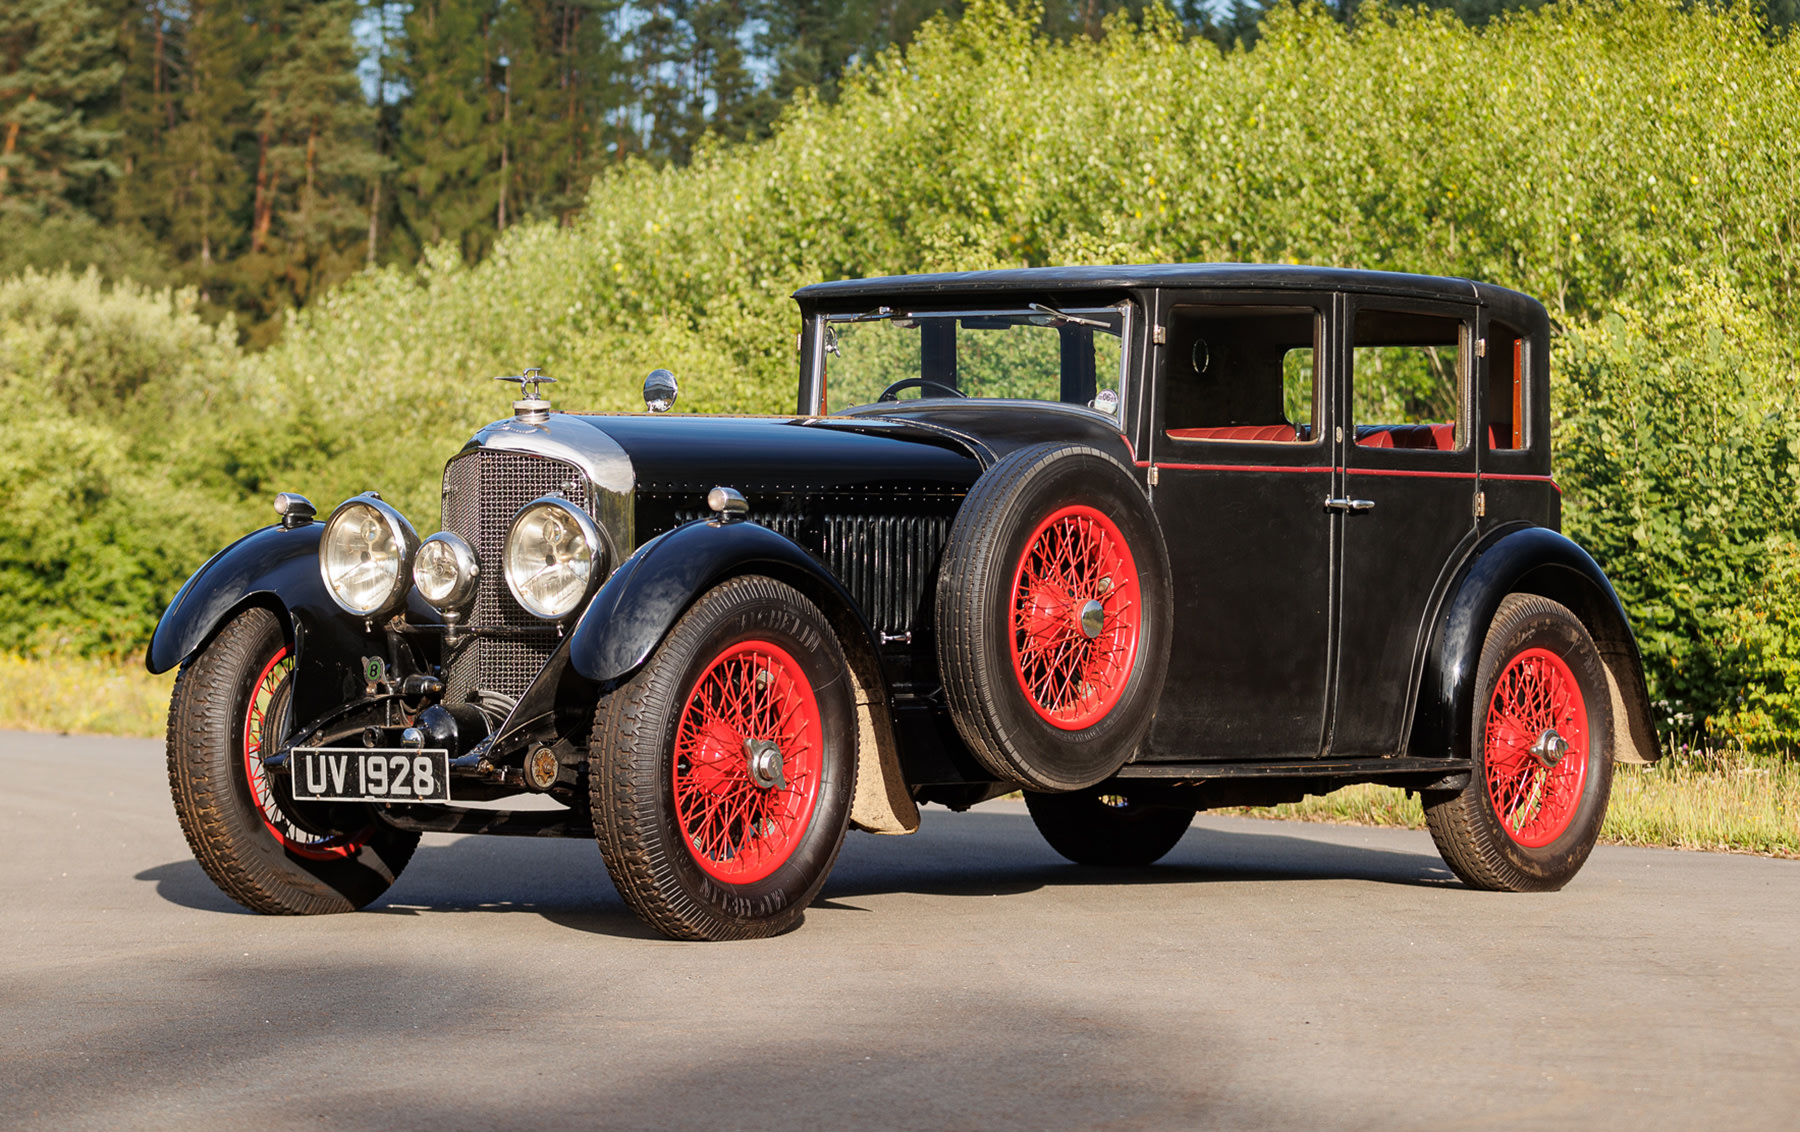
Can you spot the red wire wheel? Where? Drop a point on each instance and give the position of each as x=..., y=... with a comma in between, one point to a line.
x=1536, y=698
x=1076, y=616
x=259, y=712
x=754, y=695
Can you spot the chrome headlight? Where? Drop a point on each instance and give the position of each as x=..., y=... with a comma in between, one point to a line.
x=446, y=572
x=365, y=556
x=554, y=557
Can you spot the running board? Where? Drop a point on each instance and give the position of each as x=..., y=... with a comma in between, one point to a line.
x=1295, y=768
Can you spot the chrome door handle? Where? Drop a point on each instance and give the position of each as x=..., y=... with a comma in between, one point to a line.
x=1341, y=504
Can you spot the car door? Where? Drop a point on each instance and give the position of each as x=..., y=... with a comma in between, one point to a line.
x=1236, y=440
x=1405, y=503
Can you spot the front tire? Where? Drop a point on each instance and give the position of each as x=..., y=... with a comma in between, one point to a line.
x=1542, y=746
x=1092, y=827
x=722, y=774
x=228, y=710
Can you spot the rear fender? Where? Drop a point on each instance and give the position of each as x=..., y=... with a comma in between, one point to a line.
x=279, y=569
x=640, y=603
x=1534, y=560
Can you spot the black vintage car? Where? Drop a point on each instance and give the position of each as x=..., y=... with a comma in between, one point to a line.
x=1138, y=541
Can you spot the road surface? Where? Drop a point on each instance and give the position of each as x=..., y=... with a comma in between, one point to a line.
x=1266, y=975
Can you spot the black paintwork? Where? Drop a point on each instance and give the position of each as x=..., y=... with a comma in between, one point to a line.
x=1312, y=647
x=1520, y=558
x=279, y=568
x=641, y=602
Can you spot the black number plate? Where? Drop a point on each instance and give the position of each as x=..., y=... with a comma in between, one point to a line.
x=371, y=774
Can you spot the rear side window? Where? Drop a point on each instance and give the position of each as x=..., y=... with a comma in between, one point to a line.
x=1505, y=407
x=1406, y=380
x=1242, y=374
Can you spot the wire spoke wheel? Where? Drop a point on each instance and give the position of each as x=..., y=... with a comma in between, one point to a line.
x=1537, y=710
x=752, y=715
x=232, y=707
x=1541, y=745
x=1053, y=617
x=721, y=776
x=1076, y=613
x=266, y=711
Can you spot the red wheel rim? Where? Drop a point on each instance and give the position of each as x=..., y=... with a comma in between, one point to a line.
x=1535, y=694
x=1075, y=562
x=293, y=838
x=752, y=694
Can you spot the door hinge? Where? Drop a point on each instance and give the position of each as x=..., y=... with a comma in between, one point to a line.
x=1481, y=347
x=1154, y=477
x=1159, y=335
x=1481, y=504
x=1352, y=506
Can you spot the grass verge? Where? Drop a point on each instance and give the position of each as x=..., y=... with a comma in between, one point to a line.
x=79, y=694
x=1720, y=801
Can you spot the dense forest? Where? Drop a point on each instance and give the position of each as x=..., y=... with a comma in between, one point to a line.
x=262, y=150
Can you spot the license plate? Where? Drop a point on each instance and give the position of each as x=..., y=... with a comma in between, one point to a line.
x=371, y=774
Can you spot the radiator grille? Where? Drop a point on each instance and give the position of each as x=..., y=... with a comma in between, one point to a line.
x=886, y=562
x=482, y=492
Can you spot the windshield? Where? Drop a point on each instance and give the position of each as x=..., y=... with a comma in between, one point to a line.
x=1036, y=353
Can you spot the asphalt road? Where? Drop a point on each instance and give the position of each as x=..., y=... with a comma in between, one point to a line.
x=1265, y=976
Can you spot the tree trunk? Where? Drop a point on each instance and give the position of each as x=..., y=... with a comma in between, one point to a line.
x=12, y=142
x=374, y=217
x=265, y=202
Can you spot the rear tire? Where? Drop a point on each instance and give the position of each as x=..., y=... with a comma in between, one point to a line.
x=701, y=839
x=1053, y=617
x=229, y=709
x=1530, y=815
x=1091, y=827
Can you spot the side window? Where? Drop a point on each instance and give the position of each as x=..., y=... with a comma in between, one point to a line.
x=1242, y=374
x=1505, y=408
x=1407, y=380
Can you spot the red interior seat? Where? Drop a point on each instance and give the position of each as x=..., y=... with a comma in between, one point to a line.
x=1280, y=432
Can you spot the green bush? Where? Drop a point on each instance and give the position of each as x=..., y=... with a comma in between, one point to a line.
x=1678, y=433
x=1631, y=162
x=110, y=490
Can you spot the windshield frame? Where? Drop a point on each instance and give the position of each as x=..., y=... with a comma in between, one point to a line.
x=815, y=336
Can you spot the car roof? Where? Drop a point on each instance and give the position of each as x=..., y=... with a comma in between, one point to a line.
x=1229, y=276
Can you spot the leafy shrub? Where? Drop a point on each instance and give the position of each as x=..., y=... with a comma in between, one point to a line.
x=109, y=493
x=1678, y=435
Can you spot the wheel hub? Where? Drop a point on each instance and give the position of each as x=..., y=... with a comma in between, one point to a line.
x=1092, y=618
x=765, y=764
x=1549, y=748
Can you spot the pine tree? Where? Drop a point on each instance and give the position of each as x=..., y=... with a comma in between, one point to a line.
x=316, y=158
x=449, y=148
x=58, y=69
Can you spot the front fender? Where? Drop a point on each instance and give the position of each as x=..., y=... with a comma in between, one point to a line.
x=641, y=602
x=1536, y=560
x=278, y=568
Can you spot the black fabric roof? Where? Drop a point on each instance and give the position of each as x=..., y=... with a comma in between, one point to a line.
x=1043, y=280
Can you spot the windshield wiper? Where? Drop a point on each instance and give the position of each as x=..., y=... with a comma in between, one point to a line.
x=1071, y=319
x=876, y=315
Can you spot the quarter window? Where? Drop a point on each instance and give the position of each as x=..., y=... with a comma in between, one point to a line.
x=1505, y=406
x=1407, y=380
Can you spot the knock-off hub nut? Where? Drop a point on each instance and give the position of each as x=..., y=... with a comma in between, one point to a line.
x=764, y=758
x=1549, y=748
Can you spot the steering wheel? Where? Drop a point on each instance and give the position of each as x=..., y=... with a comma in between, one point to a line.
x=892, y=392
